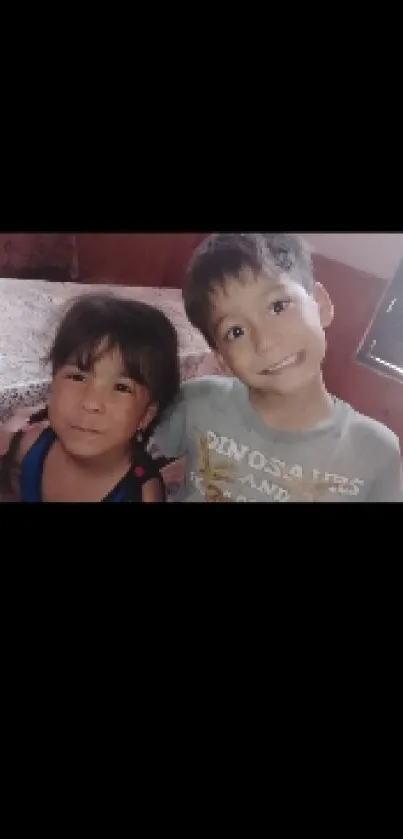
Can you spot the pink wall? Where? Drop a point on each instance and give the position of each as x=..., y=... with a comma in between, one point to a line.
x=376, y=253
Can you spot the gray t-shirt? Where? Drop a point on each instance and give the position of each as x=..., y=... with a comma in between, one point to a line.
x=231, y=455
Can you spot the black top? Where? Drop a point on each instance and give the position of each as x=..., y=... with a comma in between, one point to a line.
x=129, y=487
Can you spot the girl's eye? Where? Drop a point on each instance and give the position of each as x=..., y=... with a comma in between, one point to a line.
x=76, y=377
x=279, y=306
x=234, y=333
x=122, y=388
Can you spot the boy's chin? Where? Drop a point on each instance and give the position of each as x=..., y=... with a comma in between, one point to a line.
x=286, y=384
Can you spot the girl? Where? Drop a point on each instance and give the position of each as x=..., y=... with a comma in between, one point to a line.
x=115, y=368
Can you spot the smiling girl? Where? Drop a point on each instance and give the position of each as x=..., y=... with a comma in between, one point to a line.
x=115, y=369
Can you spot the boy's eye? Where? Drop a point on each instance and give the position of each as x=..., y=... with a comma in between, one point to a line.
x=279, y=306
x=123, y=388
x=234, y=333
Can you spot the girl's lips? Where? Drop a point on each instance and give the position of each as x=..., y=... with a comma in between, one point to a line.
x=85, y=430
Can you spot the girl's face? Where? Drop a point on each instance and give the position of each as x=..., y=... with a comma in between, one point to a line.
x=97, y=412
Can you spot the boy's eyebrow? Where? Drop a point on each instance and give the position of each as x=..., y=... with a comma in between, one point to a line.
x=216, y=324
x=276, y=289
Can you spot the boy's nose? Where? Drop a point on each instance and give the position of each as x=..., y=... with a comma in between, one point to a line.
x=265, y=339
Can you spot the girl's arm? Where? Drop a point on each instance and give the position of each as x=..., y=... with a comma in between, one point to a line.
x=20, y=421
x=16, y=438
x=153, y=491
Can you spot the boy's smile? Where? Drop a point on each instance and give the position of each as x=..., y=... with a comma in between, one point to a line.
x=288, y=361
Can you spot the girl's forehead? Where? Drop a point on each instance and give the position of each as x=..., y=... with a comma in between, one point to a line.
x=101, y=358
x=109, y=361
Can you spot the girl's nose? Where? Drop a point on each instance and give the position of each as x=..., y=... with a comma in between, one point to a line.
x=93, y=399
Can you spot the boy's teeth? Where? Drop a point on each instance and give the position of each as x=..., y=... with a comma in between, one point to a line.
x=291, y=359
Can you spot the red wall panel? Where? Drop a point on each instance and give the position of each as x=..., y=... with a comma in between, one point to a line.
x=143, y=259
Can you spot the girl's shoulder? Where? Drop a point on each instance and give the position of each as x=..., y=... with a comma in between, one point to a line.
x=28, y=438
x=15, y=445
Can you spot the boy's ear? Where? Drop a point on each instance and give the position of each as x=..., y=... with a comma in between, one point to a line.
x=221, y=364
x=325, y=305
x=148, y=417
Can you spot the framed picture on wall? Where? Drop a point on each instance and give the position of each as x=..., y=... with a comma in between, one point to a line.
x=382, y=347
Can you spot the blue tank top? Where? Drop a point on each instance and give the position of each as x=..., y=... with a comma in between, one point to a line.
x=33, y=463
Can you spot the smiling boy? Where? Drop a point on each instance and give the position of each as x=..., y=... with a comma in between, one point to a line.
x=270, y=431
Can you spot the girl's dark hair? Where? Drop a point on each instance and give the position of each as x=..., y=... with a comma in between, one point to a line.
x=96, y=323
x=145, y=337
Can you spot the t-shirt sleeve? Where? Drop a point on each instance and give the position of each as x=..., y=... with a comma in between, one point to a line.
x=388, y=486
x=170, y=434
x=200, y=396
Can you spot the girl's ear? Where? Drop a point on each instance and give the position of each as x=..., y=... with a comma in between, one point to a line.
x=148, y=417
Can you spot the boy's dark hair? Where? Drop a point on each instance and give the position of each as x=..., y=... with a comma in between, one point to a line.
x=224, y=255
x=96, y=323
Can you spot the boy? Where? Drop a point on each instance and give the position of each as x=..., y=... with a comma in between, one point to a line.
x=271, y=431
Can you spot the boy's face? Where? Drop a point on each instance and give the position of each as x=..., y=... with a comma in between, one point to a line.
x=96, y=413
x=270, y=331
